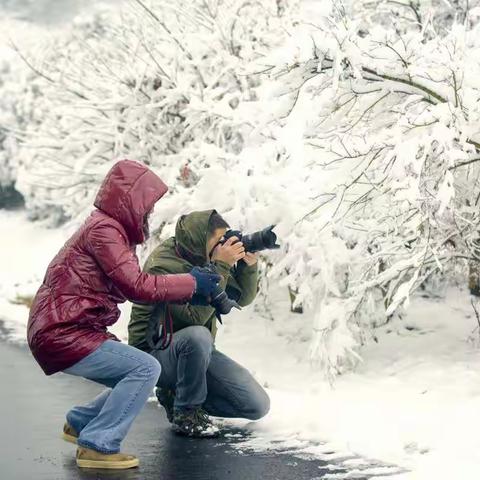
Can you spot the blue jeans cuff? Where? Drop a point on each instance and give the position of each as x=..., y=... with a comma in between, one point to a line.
x=91, y=446
x=74, y=424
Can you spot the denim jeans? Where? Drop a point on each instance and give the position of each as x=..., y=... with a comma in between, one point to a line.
x=131, y=375
x=201, y=375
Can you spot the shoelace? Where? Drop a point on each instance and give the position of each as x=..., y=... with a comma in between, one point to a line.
x=202, y=417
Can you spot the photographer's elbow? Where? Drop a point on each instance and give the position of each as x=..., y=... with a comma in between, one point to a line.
x=246, y=300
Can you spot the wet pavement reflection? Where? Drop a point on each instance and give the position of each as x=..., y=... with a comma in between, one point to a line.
x=32, y=409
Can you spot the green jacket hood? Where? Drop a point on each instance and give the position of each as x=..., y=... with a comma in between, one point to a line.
x=191, y=235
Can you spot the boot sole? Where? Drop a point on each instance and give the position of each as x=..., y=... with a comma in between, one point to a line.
x=69, y=438
x=102, y=464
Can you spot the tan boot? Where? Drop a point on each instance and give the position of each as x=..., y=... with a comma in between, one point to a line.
x=69, y=433
x=87, y=458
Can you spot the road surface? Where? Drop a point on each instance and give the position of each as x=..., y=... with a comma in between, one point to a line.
x=32, y=409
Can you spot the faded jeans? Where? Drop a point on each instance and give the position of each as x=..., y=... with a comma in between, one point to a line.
x=200, y=375
x=131, y=375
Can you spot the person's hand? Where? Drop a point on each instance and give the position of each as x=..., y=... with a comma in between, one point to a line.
x=250, y=258
x=230, y=252
x=206, y=281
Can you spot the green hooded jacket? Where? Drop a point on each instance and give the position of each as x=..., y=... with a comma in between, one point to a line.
x=191, y=235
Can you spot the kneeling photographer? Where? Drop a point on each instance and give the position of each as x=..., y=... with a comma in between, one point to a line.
x=197, y=380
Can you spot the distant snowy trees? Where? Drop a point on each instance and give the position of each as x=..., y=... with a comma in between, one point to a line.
x=162, y=84
x=353, y=126
x=16, y=114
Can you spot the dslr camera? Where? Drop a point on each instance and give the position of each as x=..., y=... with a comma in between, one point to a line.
x=265, y=239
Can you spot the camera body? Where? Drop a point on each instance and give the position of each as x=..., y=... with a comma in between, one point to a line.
x=265, y=239
x=254, y=242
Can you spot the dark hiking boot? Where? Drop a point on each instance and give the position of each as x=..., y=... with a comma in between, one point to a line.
x=193, y=422
x=166, y=397
x=69, y=433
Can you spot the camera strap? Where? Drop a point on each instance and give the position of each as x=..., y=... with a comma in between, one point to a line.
x=160, y=333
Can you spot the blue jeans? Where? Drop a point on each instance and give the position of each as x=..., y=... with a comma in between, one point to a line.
x=200, y=375
x=131, y=375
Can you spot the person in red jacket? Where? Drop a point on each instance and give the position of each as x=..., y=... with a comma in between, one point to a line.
x=95, y=270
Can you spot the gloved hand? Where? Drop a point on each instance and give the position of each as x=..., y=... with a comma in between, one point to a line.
x=206, y=281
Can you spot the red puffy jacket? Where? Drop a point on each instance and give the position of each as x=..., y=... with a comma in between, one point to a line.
x=97, y=269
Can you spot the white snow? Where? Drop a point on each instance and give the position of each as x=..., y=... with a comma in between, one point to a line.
x=410, y=409
x=26, y=250
x=413, y=402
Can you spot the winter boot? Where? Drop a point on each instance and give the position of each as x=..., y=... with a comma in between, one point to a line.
x=69, y=433
x=166, y=397
x=193, y=422
x=88, y=458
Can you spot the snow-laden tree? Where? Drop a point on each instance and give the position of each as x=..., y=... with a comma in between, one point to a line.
x=160, y=82
x=19, y=96
x=355, y=132
x=381, y=127
x=431, y=17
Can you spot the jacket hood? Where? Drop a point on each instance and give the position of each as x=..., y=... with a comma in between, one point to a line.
x=191, y=235
x=128, y=193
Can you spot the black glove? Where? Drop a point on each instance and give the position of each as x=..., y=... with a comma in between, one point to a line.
x=206, y=281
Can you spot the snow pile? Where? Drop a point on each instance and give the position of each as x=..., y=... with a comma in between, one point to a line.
x=412, y=403
x=26, y=249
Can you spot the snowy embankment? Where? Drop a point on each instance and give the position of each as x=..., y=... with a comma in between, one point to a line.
x=414, y=402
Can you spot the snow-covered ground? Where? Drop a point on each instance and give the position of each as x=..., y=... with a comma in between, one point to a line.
x=413, y=403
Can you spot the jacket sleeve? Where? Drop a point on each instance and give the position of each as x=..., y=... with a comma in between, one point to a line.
x=187, y=315
x=247, y=278
x=110, y=248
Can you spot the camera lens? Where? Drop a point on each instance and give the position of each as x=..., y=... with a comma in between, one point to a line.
x=261, y=240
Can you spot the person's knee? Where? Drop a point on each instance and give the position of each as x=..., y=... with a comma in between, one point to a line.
x=259, y=406
x=156, y=370
x=198, y=338
x=149, y=368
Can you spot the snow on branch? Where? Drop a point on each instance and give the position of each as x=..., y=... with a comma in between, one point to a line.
x=351, y=125
x=382, y=129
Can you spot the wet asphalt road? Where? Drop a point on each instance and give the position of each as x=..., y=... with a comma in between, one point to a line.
x=32, y=408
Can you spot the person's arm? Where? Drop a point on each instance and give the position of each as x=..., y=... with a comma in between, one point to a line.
x=111, y=250
x=224, y=256
x=247, y=278
x=187, y=315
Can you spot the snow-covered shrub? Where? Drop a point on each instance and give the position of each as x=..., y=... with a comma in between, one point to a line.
x=359, y=143
x=382, y=129
x=19, y=97
x=431, y=17
x=162, y=83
